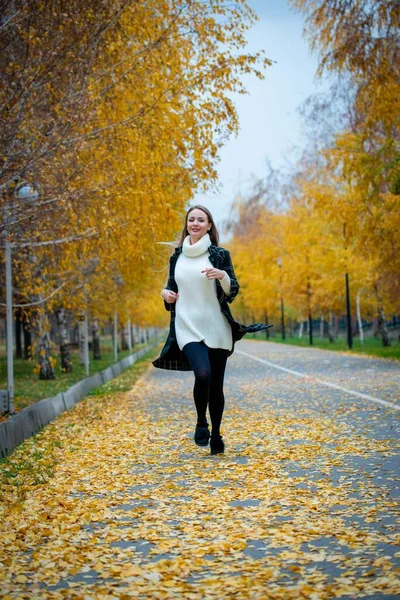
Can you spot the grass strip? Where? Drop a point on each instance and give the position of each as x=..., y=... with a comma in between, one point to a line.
x=370, y=347
x=29, y=388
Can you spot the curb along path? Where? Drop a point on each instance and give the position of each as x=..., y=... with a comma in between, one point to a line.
x=301, y=505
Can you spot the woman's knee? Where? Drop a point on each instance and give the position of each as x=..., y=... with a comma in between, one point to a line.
x=203, y=374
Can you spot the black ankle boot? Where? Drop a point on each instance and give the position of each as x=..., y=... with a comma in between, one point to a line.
x=216, y=444
x=202, y=435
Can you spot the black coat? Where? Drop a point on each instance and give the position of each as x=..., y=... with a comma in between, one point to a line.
x=171, y=356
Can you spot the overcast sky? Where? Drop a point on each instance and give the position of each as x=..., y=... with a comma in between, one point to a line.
x=269, y=124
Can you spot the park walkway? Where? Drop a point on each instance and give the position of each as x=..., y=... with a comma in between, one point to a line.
x=302, y=505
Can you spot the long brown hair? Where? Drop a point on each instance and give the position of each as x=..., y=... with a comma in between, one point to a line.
x=213, y=233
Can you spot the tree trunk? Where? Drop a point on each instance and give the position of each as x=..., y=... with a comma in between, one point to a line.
x=331, y=335
x=310, y=329
x=116, y=348
x=83, y=341
x=359, y=319
x=129, y=335
x=75, y=335
x=133, y=336
x=301, y=326
x=382, y=319
x=266, y=322
x=46, y=370
x=27, y=339
x=66, y=364
x=336, y=321
x=18, y=332
x=310, y=321
x=96, y=340
x=321, y=327
x=124, y=340
x=375, y=327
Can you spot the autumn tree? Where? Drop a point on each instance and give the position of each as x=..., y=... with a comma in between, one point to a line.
x=115, y=112
x=360, y=40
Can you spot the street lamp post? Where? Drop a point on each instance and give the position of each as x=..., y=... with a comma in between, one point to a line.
x=119, y=281
x=24, y=192
x=348, y=311
x=115, y=335
x=346, y=238
x=9, y=319
x=279, y=262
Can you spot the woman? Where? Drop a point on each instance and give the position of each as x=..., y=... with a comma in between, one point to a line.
x=202, y=331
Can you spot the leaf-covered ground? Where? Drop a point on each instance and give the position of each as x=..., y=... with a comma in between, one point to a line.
x=114, y=500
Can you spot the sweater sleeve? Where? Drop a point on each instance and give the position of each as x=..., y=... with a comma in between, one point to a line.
x=226, y=284
x=170, y=285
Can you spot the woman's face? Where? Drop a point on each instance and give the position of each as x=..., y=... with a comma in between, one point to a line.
x=197, y=223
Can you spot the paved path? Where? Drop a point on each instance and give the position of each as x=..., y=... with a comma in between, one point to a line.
x=302, y=505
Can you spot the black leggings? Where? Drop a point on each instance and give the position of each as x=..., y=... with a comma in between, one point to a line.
x=208, y=365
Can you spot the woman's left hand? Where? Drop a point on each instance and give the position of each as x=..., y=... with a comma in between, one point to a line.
x=212, y=273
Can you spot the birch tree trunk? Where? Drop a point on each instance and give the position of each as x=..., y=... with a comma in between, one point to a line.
x=46, y=370
x=382, y=319
x=331, y=335
x=115, y=336
x=129, y=335
x=96, y=340
x=66, y=364
x=359, y=319
x=301, y=326
x=321, y=327
x=83, y=342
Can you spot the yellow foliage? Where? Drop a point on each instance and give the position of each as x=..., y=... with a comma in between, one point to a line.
x=135, y=117
x=344, y=215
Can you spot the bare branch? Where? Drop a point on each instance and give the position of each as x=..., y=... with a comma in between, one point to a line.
x=88, y=233
x=42, y=301
x=9, y=20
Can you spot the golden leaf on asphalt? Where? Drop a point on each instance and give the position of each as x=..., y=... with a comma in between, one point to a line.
x=127, y=515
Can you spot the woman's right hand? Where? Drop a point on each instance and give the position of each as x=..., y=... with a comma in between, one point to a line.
x=169, y=296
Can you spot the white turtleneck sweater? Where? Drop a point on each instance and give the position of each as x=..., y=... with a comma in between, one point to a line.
x=198, y=313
